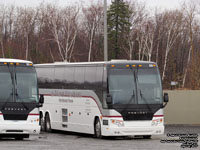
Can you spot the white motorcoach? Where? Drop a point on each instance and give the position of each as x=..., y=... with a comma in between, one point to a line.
x=115, y=98
x=19, y=102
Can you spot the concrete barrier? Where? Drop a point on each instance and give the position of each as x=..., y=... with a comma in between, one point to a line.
x=183, y=107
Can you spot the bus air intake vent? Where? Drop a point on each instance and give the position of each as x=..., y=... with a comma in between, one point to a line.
x=14, y=130
x=15, y=116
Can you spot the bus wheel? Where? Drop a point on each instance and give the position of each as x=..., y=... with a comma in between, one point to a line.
x=42, y=123
x=47, y=123
x=97, y=129
x=21, y=136
x=147, y=136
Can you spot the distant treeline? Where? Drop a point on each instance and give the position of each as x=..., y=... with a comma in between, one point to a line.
x=75, y=34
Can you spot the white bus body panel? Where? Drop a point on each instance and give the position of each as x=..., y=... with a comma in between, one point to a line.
x=132, y=128
x=81, y=112
x=29, y=126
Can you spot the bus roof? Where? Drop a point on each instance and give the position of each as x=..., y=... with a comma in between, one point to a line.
x=96, y=63
x=8, y=60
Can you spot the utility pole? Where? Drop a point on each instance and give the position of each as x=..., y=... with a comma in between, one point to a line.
x=105, y=32
x=117, y=30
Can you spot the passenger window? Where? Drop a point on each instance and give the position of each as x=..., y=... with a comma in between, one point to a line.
x=59, y=74
x=69, y=75
x=90, y=73
x=46, y=74
x=80, y=75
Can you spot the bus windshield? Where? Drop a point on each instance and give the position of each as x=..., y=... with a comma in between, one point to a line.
x=149, y=86
x=18, y=84
x=122, y=86
x=26, y=85
x=6, y=85
x=125, y=83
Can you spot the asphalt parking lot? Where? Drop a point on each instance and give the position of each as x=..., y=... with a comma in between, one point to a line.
x=74, y=141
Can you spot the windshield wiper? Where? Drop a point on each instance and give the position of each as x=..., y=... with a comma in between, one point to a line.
x=132, y=97
x=141, y=95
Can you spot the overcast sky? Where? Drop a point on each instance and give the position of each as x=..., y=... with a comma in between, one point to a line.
x=163, y=4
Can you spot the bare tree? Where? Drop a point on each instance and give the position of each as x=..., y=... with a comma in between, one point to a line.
x=172, y=21
x=27, y=20
x=2, y=27
x=64, y=28
x=93, y=16
x=190, y=12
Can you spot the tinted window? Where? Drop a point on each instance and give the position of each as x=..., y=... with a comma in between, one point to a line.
x=150, y=89
x=26, y=84
x=69, y=75
x=80, y=75
x=99, y=74
x=122, y=86
x=45, y=77
x=59, y=74
x=90, y=73
x=6, y=86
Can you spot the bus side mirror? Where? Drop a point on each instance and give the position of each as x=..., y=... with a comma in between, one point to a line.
x=166, y=97
x=109, y=99
x=41, y=100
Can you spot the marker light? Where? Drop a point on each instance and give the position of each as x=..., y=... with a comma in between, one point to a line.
x=127, y=65
x=133, y=65
x=112, y=65
x=140, y=65
x=29, y=64
x=156, y=122
x=152, y=65
x=17, y=64
x=5, y=63
x=11, y=63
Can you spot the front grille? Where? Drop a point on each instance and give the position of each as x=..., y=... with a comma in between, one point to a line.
x=15, y=116
x=14, y=130
x=147, y=116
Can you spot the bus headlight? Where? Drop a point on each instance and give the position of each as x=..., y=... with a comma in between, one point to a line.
x=156, y=122
x=119, y=123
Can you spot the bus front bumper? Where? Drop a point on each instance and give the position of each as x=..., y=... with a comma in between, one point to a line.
x=19, y=129
x=132, y=131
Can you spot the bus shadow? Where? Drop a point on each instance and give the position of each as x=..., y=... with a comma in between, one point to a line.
x=84, y=135
x=14, y=140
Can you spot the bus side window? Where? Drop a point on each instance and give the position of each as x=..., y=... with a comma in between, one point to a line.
x=79, y=77
x=99, y=82
x=46, y=77
x=59, y=77
x=69, y=77
x=90, y=77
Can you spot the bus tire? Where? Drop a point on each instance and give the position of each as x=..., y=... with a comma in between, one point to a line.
x=41, y=123
x=97, y=129
x=47, y=123
x=147, y=136
x=20, y=137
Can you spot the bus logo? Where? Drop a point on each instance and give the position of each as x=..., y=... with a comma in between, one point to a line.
x=137, y=113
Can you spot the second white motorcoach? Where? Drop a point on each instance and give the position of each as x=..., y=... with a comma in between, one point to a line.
x=115, y=98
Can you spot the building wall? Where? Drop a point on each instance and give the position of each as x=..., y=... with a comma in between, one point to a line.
x=183, y=107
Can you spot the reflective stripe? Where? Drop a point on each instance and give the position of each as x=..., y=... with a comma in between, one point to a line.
x=158, y=116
